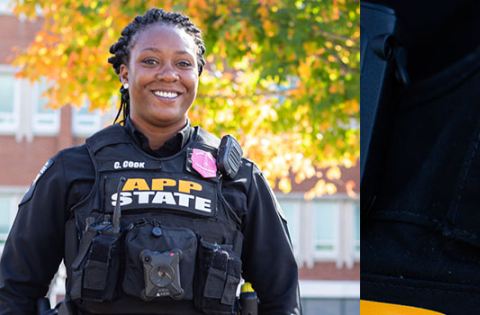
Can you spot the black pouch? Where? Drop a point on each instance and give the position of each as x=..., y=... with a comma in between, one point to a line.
x=96, y=269
x=159, y=261
x=218, y=275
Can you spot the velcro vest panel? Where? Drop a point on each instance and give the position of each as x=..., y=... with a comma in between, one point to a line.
x=166, y=198
x=163, y=186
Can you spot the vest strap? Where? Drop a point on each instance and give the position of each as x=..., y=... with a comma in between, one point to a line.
x=83, y=248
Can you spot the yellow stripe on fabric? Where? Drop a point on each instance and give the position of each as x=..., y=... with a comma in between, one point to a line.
x=379, y=308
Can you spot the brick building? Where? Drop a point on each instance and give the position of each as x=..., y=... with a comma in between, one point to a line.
x=325, y=231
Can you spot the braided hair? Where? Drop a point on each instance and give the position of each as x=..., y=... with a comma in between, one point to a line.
x=121, y=49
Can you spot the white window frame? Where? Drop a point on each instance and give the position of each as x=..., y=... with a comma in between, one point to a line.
x=81, y=130
x=11, y=128
x=6, y=8
x=15, y=194
x=38, y=127
x=333, y=255
x=343, y=242
x=3, y=236
x=295, y=225
x=329, y=289
x=355, y=242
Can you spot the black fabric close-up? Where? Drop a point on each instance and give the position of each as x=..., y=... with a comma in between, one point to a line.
x=439, y=32
x=420, y=243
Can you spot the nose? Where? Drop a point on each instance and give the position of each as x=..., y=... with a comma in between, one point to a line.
x=168, y=74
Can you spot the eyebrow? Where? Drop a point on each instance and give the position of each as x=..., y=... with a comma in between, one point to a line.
x=178, y=52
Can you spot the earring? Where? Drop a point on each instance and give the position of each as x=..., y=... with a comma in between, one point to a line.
x=126, y=86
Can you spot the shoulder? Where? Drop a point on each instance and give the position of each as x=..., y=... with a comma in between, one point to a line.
x=66, y=159
x=67, y=166
x=249, y=169
x=254, y=180
x=113, y=134
x=206, y=137
x=74, y=152
x=74, y=158
x=244, y=178
x=70, y=164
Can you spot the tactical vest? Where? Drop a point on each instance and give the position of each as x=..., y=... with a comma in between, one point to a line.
x=155, y=235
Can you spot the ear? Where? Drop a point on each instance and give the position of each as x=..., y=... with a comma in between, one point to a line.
x=124, y=74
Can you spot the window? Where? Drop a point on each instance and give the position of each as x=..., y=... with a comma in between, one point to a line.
x=325, y=220
x=323, y=229
x=4, y=215
x=8, y=108
x=6, y=6
x=357, y=231
x=46, y=120
x=290, y=210
x=7, y=206
x=84, y=123
x=9, y=200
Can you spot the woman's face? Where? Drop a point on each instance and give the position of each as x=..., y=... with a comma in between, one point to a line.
x=162, y=74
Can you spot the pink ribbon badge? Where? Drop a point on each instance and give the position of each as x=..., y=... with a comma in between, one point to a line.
x=204, y=163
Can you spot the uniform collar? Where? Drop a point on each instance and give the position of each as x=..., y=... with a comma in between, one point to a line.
x=170, y=147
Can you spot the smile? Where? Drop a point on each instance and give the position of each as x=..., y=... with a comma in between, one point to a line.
x=166, y=94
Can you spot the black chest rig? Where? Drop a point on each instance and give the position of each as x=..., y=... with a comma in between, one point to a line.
x=156, y=236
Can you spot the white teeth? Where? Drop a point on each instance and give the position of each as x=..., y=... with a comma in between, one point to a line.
x=166, y=94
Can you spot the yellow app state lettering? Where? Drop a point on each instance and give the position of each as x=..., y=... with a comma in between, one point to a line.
x=163, y=191
x=184, y=186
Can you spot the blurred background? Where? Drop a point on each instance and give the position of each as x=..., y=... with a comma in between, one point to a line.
x=281, y=76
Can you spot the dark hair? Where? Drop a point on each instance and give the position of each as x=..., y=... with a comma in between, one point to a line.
x=121, y=49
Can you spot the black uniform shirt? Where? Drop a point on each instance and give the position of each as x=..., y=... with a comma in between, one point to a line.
x=35, y=245
x=170, y=147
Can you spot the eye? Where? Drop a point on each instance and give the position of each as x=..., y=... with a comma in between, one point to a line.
x=184, y=64
x=150, y=61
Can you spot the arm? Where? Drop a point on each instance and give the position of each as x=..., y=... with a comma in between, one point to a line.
x=268, y=261
x=35, y=245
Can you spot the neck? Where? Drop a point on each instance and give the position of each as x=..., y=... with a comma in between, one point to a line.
x=157, y=135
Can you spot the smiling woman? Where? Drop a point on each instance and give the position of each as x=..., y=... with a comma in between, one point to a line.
x=152, y=215
x=159, y=58
x=162, y=75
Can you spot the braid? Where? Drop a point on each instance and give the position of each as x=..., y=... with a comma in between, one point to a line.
x=121, y=49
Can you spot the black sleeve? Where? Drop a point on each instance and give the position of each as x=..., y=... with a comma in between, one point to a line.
x=35, y=244
x=268, y=261
x=34, y=247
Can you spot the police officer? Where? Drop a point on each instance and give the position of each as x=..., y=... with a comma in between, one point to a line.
x=152, y=215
